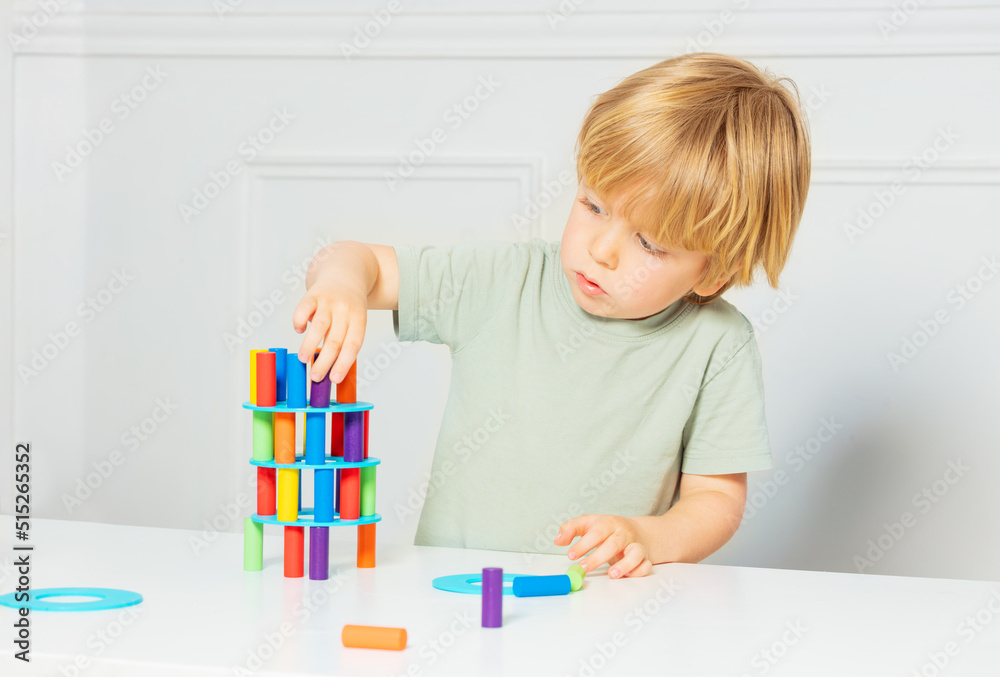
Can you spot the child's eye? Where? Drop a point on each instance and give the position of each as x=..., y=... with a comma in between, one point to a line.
x=644, y=243
x=591, y=206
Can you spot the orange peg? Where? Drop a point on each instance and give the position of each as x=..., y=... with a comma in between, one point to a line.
x=284, y=437
x=374, y=637
x=366, y=546
x=347, y=390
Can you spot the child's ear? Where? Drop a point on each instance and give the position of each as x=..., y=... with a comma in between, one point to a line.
x=710, y=289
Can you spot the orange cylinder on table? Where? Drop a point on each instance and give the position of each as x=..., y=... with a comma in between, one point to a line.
x=295, y=541
x=373, y=637
x=366, y=546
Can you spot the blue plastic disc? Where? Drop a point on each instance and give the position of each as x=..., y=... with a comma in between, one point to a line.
x=329, y=463
x=307, y=518
x=107, y=598
x=282, y=407
x=471, y=584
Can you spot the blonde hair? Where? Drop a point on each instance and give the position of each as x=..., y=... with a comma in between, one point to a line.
x=707, y=153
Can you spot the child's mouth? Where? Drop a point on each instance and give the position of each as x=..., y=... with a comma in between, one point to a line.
x=588, y=287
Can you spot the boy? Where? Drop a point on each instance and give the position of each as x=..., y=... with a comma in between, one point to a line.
x=601, y=389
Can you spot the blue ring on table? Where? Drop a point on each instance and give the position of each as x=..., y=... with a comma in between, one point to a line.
x=466, y=583
x=108, y=598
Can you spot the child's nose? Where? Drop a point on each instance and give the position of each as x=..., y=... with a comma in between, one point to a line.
x=604, y=249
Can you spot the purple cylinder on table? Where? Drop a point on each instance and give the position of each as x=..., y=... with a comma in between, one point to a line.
x=354, y=436
x=492, y=597
x=319, y=553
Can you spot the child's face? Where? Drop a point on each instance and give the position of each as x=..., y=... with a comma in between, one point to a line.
x=635, y=277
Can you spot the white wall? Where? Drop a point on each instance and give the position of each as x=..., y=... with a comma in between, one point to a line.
x=875, y=102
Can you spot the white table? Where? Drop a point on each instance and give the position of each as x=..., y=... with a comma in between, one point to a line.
x=202, y=615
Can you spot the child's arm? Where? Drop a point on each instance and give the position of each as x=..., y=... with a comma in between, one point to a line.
x=707, y=513
x=344, y=280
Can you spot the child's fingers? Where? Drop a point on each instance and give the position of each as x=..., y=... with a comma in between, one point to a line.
x=644, y=568
x=331, y=345
x=303, y=312
x=572, y=528
x=594, y=536
x=351, y=347
x=610, y=546
x=315, y=333
x=632, y=557
x=323, y=360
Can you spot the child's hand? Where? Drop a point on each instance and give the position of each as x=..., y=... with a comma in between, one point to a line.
x=337, y=313
x=614, y=539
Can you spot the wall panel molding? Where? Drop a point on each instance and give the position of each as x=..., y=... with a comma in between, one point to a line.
x=866, y=172
x=492, y=31
x=526, y=171
x=7, y=264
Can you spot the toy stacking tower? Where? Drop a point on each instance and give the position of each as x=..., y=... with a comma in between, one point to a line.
x=277, y=395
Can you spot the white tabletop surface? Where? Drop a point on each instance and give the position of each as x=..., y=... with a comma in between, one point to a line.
x=203, y=615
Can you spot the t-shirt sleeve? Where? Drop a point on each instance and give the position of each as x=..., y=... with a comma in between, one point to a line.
x=727, y=430
x=448, y=294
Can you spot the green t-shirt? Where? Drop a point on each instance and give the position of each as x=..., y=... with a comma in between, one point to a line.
x=553, y=412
